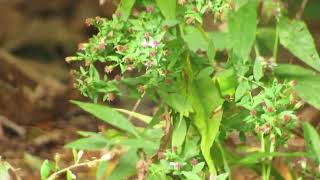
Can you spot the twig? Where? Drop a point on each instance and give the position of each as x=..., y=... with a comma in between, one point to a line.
x=135, y=107
x=301, y=10
x=18, y=129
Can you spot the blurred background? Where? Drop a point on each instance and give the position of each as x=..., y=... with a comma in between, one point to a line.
x=36, y=119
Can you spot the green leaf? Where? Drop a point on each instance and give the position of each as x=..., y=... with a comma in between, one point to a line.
x=242, y=89
x=125, y=7
x=258, y=69
x=255, y=158
x=312, y=140
x=168, y=8
x=308, y=86
x=126, y=166
x=45, y=170
x=207, y=116
x=220, y=40
x=211, y=51
x=4, y=170
x=33, y=161
x=195, y=38
x=242, y=29
x=142, y=117
x=108, y=115
x=179, y=133
x=295, y=36
x=308, y=89
x=90, y=143
x=227, y=81
x=101, y=169
x=223, y=176
x=69, y=175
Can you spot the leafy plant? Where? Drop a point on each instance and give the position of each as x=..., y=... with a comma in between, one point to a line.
x=207, y=83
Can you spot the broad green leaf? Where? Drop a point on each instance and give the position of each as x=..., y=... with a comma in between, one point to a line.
x=195, y=38
x=295, y=36
x=90, y=143
x=107, y=115
x=125, y=7
x=220, y=40
x=258, y=69
x=312, y=140
x=142, y=117
x=178, y=102
x=207, y=114
x=179, y=133
x=168, y=8
x=242, y=29
x=126, y=165
x=45, y=170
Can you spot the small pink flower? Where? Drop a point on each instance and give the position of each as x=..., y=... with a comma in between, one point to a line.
x=154, y=44
x=149, y=64
x=149, y=8
x=194, y=162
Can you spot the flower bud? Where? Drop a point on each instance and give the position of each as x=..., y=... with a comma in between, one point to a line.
x=149, y=8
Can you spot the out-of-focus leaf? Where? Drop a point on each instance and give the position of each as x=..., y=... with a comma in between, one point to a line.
x=242, y=29
x=242, y=89
x=195, y=38
x=227, y=82
x=168, y=8
x=90, y=143
x=45, y=170
x=258, y=69
x=223, y=176
x=265, y=40
x=33, y=161
x=101, y=169
x=126, y=165
x=125, y=7
x=220, y=40
x=295, y=36
x=308, y=86
x=312, y=139
x=179, y=133
x=4, y=170
x=255, y=158
x=108, y=115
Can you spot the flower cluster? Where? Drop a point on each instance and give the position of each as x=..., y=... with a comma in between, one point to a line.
x=272, y=108
x=142, y=52
x=195, y=9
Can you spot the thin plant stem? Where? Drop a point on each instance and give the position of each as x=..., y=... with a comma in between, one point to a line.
x=301, y=10
x=272, y=148
x=263, y=149
x=54, y=175
x=136, y=105
x=276, y=45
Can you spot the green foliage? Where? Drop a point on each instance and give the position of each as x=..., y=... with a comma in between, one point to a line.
x=295, y=36
x=207, y=84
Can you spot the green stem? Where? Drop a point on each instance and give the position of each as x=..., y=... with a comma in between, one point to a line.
x=276, y=45
x=225, y=162
x=263, y=149
x=272, y=148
